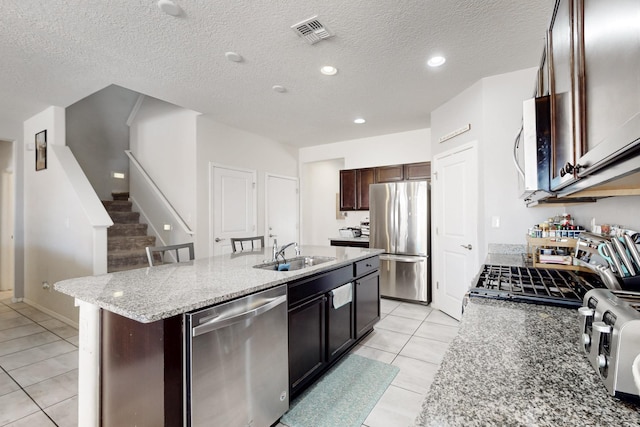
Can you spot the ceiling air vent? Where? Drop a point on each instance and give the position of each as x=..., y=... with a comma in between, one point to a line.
x=311, y=30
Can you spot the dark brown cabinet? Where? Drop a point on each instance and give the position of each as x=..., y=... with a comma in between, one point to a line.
x=595, y=94
x=390, y=173
x=367, y=302
x=354, y=189
x=417, y=171
x=319, y=332
x=354, y=183
x=348, y=190
x=307, y=341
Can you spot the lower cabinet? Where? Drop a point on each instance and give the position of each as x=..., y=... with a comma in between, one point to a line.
x=367, y=298
x=319, y=332
x=307, y=341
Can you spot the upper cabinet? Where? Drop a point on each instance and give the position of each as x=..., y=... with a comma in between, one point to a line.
x=593, y=69
x=563, y=89
x=354, y=189
x=354, y=183
x=609, y=64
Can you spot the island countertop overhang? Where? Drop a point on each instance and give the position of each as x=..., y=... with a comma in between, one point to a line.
x=155, y=293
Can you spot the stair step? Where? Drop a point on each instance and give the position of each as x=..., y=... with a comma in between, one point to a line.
x=117, y=243
x=120, y=195
x=117, y=205
x=125, y=217
x=127, y=230
x=128, y=258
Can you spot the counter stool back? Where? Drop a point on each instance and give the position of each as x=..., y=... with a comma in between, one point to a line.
x=155, y=254
x=256, y=242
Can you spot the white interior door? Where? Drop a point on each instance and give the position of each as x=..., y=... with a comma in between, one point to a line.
x=282, y=210
x=233, y=206
x=6, y=232
x=455, y=208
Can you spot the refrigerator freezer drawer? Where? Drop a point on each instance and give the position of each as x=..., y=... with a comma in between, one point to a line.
x=405, y=277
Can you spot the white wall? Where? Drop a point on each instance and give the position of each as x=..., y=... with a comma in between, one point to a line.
x=98, y=135
x=320, y=166
x=58, y=238
x=227, y=146
x=392, y=149
x=493, y=107
x=163, y=140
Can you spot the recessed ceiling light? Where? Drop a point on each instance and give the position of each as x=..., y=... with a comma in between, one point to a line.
x=328, y=70
x=169, y=7
x=436, y=61
x=359, y=121
x=279, y=89
x=234, y=57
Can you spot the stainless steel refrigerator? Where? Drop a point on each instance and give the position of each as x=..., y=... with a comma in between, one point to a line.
x=399, y=224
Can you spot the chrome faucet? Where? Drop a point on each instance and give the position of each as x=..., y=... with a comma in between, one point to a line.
x=280, y=252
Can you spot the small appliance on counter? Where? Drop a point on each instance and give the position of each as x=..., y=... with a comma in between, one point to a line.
x=610, y=337
x=350, y=232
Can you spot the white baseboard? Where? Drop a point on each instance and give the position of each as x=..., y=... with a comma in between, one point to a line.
x=51, y=313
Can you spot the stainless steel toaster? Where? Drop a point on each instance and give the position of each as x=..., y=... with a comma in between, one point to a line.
x=610, y=337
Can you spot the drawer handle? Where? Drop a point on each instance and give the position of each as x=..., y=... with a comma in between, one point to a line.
x=368, y=265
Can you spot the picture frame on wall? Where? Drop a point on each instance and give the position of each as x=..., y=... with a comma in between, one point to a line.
x=41, y=150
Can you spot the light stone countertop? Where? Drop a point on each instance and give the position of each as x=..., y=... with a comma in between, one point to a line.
x=516, y=364
x=154, y=293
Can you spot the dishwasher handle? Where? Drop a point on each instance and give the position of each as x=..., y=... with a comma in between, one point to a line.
x=221, y=321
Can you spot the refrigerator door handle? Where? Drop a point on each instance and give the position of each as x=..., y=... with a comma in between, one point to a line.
x=402, y=259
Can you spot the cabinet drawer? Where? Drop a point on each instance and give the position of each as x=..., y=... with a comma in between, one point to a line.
x=366, y=266
x=306, y=288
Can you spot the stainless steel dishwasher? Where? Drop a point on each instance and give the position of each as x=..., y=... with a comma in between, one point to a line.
x=237, y=364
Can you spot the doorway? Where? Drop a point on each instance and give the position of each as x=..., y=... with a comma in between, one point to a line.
x=7, y=216
x=455, y=227
x=282, y=210
x=233, y=206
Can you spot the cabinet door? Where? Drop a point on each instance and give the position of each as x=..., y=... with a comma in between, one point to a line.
x=367, y=297
x=348, y=190
x=389, y=173
x=562, y=85
x=364, y=178
x=307, y=345
x=609, y=46
x=417, y=171
x=340, y=331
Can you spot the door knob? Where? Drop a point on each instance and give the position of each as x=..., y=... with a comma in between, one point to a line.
x=467, y=246
x=217, y=239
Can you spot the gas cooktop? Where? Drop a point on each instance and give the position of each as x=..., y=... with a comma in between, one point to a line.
x=562, y=288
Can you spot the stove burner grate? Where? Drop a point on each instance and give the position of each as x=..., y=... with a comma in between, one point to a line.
x=535, y=285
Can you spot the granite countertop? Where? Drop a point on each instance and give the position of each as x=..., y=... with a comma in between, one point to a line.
x=515, y=364
x=155, y=293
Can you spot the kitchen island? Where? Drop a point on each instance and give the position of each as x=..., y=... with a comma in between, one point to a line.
x=131, y=338
x=520, y=365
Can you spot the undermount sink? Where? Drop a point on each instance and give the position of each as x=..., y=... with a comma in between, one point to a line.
x=296, y=263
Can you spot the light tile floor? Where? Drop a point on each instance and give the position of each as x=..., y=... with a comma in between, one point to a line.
x=38, y=368
x=414, y=338
x=39, y=363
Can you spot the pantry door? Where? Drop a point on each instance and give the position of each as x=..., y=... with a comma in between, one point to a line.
x=233, y=206
x=455, y=226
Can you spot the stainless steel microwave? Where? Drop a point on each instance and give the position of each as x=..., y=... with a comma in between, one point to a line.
x=532, y=150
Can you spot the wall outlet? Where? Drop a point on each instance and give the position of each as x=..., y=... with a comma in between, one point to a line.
x=167, y=227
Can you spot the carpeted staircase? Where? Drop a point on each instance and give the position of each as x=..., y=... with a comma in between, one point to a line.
x=126, y=238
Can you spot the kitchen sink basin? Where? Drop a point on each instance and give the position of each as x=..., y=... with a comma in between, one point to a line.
x=296, y=263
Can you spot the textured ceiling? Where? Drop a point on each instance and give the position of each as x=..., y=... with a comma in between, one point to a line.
x=56, y=53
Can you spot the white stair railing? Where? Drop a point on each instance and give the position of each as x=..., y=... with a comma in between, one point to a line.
x=163, y=199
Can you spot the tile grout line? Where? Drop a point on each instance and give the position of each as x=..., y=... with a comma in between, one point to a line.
x=20, y=385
